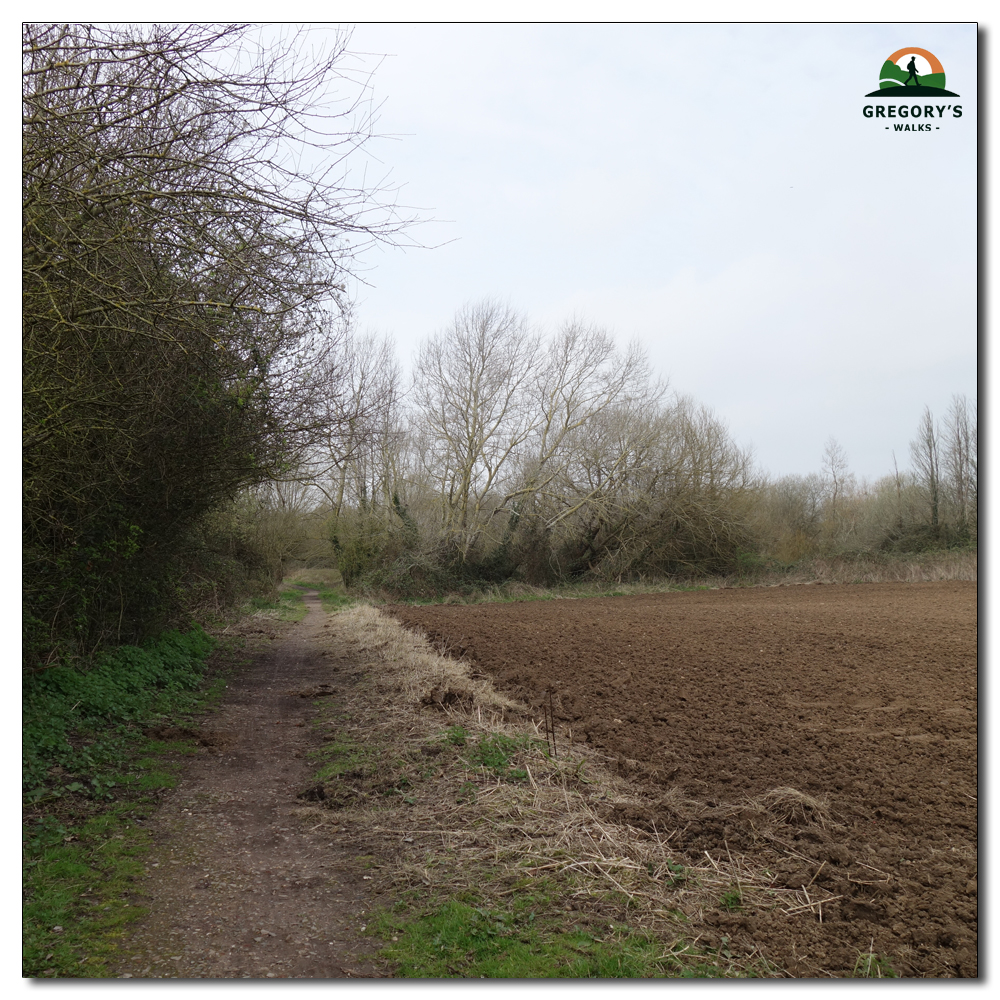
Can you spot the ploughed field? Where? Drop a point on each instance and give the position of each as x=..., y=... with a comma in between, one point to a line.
x=862, y=697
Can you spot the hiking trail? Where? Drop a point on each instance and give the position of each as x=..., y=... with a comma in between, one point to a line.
x=238, y=886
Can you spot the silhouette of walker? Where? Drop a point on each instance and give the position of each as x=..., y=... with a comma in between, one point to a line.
x=912, y=67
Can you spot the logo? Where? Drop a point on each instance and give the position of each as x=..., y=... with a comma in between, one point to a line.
x=911, y=73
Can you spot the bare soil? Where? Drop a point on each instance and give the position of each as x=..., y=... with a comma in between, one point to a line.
x=237, y=887
x=861, y=699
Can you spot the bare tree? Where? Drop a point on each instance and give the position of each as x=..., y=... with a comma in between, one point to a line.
x=788, y=516
x=582, y=377
x=651, y=488
x=925, y=455
x=840, y=485
x=472, y=387
x=594, y=498
x=836, y=470
x=960, y=463
x=162, y=206
x=359, y=458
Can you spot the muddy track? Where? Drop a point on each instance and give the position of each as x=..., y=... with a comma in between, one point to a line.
x=238, y=886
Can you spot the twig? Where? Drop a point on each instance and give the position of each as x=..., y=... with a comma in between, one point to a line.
x=818, y=870
x=810, y=905
x=550, y=724
x=871, y=869
x=611, y=878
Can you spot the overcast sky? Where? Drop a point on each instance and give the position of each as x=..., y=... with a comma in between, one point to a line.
x=711, y=190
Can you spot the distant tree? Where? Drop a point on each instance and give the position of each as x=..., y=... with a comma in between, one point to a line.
x=960, y=465
x=364, y=450
x=584, y=386
x=840, y=488
x=836, y=470
x=472, y=387
x=508, y=423
x=926, y=459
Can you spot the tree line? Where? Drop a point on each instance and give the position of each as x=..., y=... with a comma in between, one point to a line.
x=508, y=455
x=933, y=504
x=512, y=454
x=183, y=294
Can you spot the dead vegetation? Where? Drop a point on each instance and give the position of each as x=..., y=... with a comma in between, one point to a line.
x=792, y=806
x=924, y=567
x=459, y=786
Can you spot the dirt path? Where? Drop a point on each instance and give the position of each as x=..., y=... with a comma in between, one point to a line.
x=238, y=887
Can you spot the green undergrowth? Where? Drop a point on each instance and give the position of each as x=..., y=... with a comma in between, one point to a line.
x=79, y=723
x=526, y=940
x=100, y=745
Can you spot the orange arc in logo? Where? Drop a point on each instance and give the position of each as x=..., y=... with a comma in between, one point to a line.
x=936, y=66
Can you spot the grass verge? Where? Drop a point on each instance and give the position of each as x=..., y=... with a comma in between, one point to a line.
x=519, y=941
x=327, y=582
x=331, y=598
x=100, y=746
x=288, y=606
x=503, y=860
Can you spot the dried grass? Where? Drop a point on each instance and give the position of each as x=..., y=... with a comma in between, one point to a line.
x=925, y=567
x=559, y=824
x=411, y=673
x=789, y=805
x=959, y=564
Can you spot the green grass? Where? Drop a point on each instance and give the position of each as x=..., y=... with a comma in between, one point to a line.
x=872, y=966
x=91, y=776
x=456, y=939
x=732, y=900
x=77, y=884
x=341, y=756
x=288, y=605
x=496, y=752
x=331, y=597
x=456, y=735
